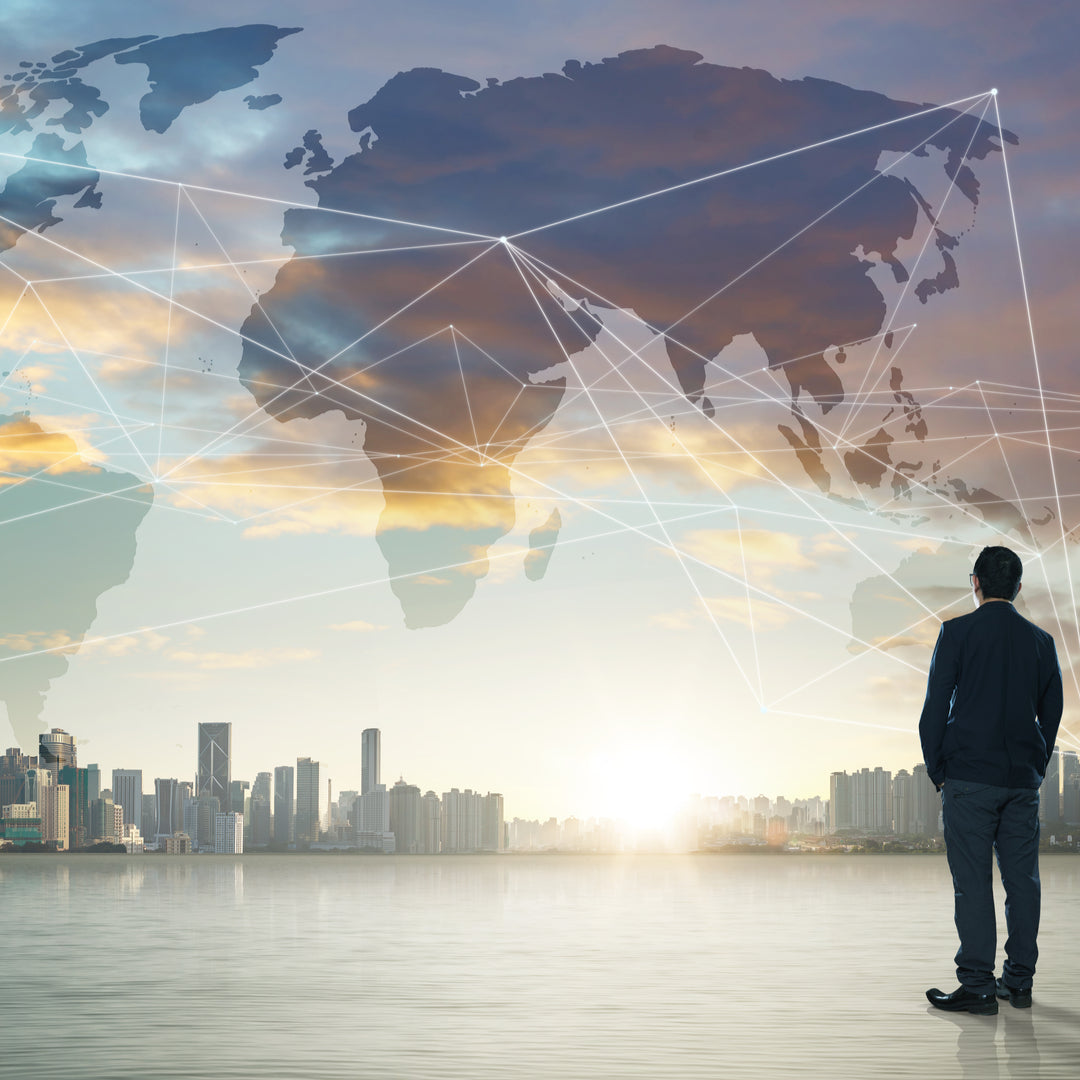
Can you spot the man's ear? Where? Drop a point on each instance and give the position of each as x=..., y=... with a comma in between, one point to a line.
x=1018, y=588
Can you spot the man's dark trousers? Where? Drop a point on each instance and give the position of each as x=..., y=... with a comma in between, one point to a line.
x=980, y=819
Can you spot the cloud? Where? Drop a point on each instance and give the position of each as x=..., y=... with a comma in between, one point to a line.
x=757, y=553
x=250, y=658
x=25, y=447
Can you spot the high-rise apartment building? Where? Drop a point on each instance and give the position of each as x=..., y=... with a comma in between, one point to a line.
x=404, y=821
x=430, y=838
x=214, y=774
x=75, y=779
x=903, y=803
x=373, y=819
x=492, y=833
x=307, y=801
x=284, y=820
x=127, y=792
x=370, y=759
x=228, y=834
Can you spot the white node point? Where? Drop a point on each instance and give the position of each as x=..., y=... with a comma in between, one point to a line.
x=994, y=91
x=502, y=240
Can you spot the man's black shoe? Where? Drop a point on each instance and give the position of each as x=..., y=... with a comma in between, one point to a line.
x=963, y=1000
x=1019, y=999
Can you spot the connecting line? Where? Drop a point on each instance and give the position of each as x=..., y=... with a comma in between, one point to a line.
x=858, y=656
x=756, y=459
x=318, y=369
x=465, y=391
x=277, y=260
x=633, y=474
x=748, y=165
x=291, y=203
x=93, y=381
x=738, y=378
x=918, y=259
x=670, y=543
x=1038, y=376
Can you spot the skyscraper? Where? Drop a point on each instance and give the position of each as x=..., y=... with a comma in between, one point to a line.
x=127, y=792
x=492, y=832
x=1050, y=792
x=405, y=817
x=215, y=762
x=76, y=782
x=259, y=827
x=284, y=822
x=170, y=809
x=307, y=801
x=56, y=749
x=370, y=759
x=1070, y=787
x=93, y=782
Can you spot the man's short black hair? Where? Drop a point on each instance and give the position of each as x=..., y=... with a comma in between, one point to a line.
x=999, y=571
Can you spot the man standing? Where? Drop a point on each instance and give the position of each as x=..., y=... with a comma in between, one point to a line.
x=993, y=705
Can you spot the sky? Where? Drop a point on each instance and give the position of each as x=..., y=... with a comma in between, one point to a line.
x=708, y=619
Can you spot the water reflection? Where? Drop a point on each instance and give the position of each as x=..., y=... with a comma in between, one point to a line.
x=462, y=968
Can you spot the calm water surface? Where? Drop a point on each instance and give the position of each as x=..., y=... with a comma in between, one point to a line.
x=323, y=967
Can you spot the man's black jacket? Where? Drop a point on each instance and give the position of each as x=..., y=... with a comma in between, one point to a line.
x=993, y=700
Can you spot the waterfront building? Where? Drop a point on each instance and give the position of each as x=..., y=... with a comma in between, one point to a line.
x=370, y=759
x=284, y=821
x=177, y=844
x=77, y=782
x=103, y=820
x=207, y=807
x=228, y=834
x=1070, y=787
x=93, y=782
x=373, y=820
x=238, y=790
x=21, y=823
x=169, y=805
x=257, y=825
x=492, y=832
x=127, y=792
x=903, y=803
x=461, y=821
x=430, y=828
x=214, y=772
x=1050, y=792
x=56, y=749
x=405, y=817
x=307, y=801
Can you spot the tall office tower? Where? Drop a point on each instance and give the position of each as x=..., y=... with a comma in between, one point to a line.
x=127, y=792
x=169, y=803
x=492, y=833
x=13, y=766
x=93, y=782
x=55, y=749
x=430, y=824
x=206, y=808
x=228, y=834
x=1070, y=787
x=78, y=805
x=307, y=801
x=370, y=759
x=373, y=820
x=903, y=803
x=1050, y=792
x=284, y=820
x=404, y=820
x=237, y=794
x=191, y=817
x=260, y=810
x=841, y=802
x=103, y=820
x=215, y=763
x=346, y=805
x=52, y=805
